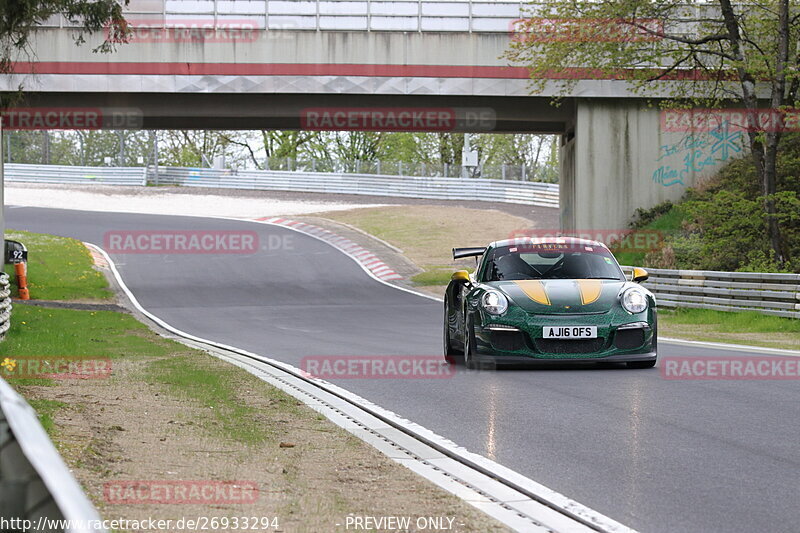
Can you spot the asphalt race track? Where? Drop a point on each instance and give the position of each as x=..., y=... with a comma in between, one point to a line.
x=655, y=454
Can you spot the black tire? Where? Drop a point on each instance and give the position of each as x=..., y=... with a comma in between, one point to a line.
x=469, y=346
x=449, y=351
x=641, y=364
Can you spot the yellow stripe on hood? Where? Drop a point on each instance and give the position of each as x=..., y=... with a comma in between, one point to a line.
x=534, y=289
x=590, y=290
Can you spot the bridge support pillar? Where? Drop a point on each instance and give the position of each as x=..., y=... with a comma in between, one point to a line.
x=616, y=158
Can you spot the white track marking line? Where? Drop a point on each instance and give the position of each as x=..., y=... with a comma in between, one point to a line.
x=732, y=347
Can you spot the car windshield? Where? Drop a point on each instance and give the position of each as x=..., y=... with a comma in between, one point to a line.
x=551, y=261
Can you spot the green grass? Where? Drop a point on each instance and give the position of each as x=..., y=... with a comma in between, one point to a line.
x=741, y=322
x=668, y=224
x=47, y=409
x=747, y=328
x=59, y=268
x=42, y=332
x=435, y=276
x=187, y=374
x=215, y=388
x=39, y=331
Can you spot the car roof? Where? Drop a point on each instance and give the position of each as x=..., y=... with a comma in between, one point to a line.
x=546, y=240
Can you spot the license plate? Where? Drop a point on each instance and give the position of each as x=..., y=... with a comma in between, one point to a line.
x=570, y=332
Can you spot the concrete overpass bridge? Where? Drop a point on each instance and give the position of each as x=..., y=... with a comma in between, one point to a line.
x=205, y=64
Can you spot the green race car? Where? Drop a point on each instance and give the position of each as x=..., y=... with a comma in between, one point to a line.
x=548, y=300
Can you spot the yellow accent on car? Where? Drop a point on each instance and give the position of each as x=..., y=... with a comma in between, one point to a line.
x=534, y=289
x=590, y=290
x=639, y=274
x=460, y=275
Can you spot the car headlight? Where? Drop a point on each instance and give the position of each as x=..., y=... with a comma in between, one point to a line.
x=634, y=300
x=494, y=302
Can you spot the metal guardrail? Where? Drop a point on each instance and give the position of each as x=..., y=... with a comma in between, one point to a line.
x=767, y=293
x=76, y=175
x=5, y=305
x=519, y=192
x=421, y=169
x=471, y=189
x=35, y=484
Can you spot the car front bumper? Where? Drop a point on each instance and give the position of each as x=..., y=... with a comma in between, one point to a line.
x=620, y=338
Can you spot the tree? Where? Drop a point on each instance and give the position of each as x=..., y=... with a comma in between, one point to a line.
x=345, y=149
x=518, y=149
x=712, y=53
x=19, y=18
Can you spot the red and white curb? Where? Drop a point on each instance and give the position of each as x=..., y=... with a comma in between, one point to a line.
x=98, y=258
x=369, y=260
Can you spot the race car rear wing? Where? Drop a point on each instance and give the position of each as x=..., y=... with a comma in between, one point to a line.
x=460, y=253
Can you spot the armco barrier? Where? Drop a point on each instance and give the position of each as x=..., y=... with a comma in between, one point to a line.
x=771, y=294
x=75, y=175
x=35, y=484
x=5, y=304
x=518, y=192
x=508, y=191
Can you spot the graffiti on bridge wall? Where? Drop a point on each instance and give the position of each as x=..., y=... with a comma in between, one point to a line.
x=696, y=152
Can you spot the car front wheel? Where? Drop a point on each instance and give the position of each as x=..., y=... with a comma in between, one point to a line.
x=449, y=351
x=470, y=356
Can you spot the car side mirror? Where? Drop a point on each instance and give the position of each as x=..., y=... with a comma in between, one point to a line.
x=461, y=276
x=640, y=274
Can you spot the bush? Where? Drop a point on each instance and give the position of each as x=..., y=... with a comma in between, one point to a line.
x=721, y=224
x=644, y=217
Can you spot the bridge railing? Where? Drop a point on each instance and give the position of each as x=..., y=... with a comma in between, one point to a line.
x=767, y=293
x=486, y=16
x=320, y=15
